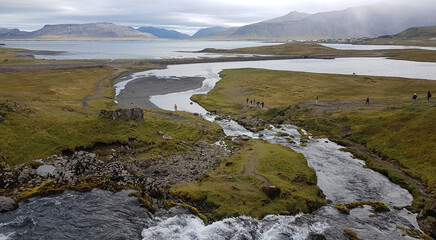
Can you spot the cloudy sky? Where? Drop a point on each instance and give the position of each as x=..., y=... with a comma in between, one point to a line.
x=183, y=15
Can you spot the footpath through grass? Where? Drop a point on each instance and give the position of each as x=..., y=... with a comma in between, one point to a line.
x=235, y=188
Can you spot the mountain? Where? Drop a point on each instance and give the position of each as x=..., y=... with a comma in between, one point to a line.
x=82, y=31
x=292, y=16
x=7, y=33
x=364, y=21
x=206, y=32
x=163, y=33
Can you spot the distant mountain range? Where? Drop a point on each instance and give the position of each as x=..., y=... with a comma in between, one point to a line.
x=366, y=21
x=163, y=33
x=78, y=31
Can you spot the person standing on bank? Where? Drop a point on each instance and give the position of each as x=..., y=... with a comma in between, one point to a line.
x=316, y=100
x=428, y=96
x=175, y=107
x=414, y=97
x=367, y=101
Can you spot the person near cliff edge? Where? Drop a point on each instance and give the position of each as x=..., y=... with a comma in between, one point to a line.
x=414, y=97
x=428, y=96
x=367, y=101
x=175, y=107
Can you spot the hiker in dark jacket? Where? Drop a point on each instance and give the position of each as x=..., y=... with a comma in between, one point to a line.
x=367, y=101
x=428, y=96
x=414, y=97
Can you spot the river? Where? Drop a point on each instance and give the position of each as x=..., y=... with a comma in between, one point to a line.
x=103, y=215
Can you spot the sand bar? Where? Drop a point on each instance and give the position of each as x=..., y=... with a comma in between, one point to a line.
x=137, y=92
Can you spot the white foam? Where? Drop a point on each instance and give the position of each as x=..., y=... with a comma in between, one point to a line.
x=187, y=226
x=7, y=236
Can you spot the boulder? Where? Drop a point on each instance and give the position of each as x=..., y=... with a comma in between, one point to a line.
x=167, y=137
x=272, y=191
x=45, y=170
x=7, y=204
x=125, y=114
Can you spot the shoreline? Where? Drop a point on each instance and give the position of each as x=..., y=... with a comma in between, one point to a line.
x=137, y=93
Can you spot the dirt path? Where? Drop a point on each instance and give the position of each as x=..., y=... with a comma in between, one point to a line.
x=100, y=86
x=250, y=170
x=322, y=108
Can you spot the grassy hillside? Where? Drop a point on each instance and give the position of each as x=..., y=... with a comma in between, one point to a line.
x=416, y=36
x=42, y=114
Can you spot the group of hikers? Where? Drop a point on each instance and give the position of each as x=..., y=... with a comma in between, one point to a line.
x=262, y=104
x=415, y=97
x=254, y=103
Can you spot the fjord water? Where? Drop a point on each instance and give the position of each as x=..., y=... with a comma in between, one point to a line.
x=127, y=49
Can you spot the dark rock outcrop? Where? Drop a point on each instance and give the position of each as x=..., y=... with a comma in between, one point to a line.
x=272, y=191
x=125, y=114
x=426, y=219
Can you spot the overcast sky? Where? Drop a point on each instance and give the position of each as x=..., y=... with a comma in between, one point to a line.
x=186, y=16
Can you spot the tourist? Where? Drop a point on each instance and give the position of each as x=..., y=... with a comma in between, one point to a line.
x=316, y=100
x=263, y=104
x=247, y=100
x=175, y=107
x=428, y=96
x=414, y=97
x=367, y=101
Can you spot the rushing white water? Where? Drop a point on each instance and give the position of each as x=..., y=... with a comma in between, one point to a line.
x=187, y=226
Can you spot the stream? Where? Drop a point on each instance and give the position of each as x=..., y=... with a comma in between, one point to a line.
x=104, y=215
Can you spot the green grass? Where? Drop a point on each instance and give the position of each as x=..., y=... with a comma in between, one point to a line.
x=51, y=85
x=49, y=117
x=231, y=192
x=283, y=88
x=50, y=130
x=405, y=134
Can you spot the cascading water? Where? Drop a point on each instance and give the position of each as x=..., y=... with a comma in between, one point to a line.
x=342, y=179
